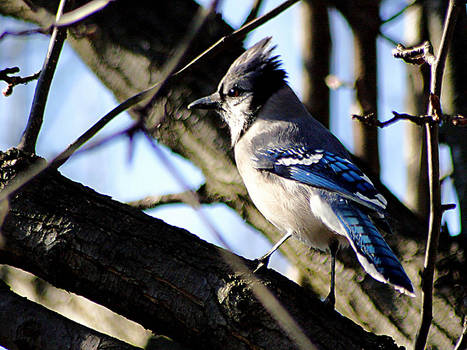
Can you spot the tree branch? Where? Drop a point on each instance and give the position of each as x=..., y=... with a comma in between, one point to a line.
x=13, y=81
x=186, y=197
x=36, y=116
x=157, y=275
x=437, y=69
x=27, y=325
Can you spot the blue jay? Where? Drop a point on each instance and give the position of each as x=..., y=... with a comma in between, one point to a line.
x=297, y=173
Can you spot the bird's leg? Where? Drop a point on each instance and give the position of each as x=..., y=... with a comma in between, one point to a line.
x=331, y=298
x=264, y=260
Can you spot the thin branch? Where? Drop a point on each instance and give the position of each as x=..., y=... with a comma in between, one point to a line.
x=26, y=32
x=240, y=33
x=186, y=197
x=400, y=12
x=437, y=69
x=253, y=12
x=36, y=116
x=370, y=119
x=14, y=80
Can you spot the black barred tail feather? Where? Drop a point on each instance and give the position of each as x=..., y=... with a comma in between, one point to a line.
x=372, y=251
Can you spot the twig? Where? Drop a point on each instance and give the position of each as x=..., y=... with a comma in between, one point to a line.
x=240, y=33
x=26, y=32
x=202, y=197
x=400, y=12
x=15, y=80
x=370, y=119
x=437, y=69
x=36, y=115
x=253, y=12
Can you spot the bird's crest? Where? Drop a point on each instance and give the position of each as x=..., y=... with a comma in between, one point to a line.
x=259, y=67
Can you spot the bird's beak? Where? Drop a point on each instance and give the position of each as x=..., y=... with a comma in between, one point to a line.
x=209, y=102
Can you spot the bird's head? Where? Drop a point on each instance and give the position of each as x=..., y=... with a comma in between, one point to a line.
x=249, y=82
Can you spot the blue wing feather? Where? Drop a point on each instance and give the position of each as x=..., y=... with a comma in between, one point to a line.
x=368, y=243
x=321, y=169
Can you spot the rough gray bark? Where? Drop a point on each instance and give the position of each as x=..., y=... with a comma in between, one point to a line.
x=27, y=325
x=160, y=276
x=126, y=45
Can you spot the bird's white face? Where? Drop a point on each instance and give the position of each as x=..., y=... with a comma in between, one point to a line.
x=236, y=107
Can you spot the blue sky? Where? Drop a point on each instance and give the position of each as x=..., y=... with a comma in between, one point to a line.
x=78, y=99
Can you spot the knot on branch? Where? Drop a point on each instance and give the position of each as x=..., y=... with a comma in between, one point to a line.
x=415, y=55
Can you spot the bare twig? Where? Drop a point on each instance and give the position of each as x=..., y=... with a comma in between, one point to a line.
x=437, y=69
x=370, y=119
x=202, y=197
x=253, y=12
x=36, y=116
x=26, y=32
x=15, y=80
x=240, y=33
x=400, y=12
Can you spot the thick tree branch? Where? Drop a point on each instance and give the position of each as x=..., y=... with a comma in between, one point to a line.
x=27, y=325
x=157, y=275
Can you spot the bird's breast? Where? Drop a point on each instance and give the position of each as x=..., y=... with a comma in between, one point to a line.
x=286, y=204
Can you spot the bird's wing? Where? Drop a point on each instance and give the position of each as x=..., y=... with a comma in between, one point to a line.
x=372, y=251
x=321, y=169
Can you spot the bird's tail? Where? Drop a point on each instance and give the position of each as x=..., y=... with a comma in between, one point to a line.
x=372, y=251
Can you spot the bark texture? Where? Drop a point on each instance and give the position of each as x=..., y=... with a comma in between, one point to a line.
x=125, y=46
x=160, y=276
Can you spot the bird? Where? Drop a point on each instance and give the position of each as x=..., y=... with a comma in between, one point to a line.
x=297, y=173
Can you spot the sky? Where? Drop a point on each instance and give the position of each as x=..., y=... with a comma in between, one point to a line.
x=78, y=99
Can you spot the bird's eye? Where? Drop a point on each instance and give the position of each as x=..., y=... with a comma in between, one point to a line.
x=234, y=92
